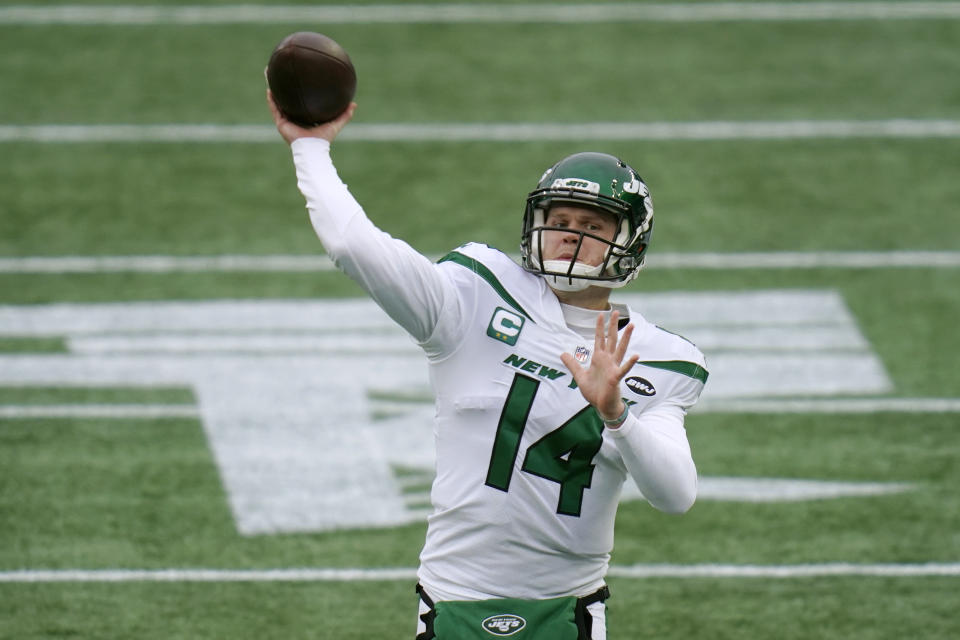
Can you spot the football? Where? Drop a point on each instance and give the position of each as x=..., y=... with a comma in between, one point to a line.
x=311, y=77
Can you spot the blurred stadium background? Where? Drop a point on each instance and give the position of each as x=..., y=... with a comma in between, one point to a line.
x=206, y=433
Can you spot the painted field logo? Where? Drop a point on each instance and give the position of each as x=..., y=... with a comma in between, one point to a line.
x=505, y=326
x=234, y=357
x=505, y=624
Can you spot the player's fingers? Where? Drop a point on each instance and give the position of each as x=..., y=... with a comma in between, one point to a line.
x=611, y=342
x=274, y=109
x=625, y=369
x=571, y=363
x=341, y=120
x=350, y=110
x=600, y=337
x=332, y=129
x=624, y=343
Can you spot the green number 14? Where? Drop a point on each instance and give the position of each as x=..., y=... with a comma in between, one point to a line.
x=565, y=455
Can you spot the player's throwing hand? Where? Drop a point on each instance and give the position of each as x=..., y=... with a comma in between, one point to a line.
x=291, y=131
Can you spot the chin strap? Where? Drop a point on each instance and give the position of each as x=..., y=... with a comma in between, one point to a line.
x=572, y=282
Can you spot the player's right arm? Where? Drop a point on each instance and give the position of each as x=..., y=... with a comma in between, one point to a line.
x=403, y=282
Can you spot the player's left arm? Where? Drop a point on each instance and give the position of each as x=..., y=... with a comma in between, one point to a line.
x=656, y=452
x=653, y=444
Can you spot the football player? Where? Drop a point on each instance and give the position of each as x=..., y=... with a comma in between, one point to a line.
x=547, y=394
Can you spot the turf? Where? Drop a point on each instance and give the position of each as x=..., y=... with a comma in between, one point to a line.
x=861, y=608
x=501, y=72
x=710, y=196
x=146, y=493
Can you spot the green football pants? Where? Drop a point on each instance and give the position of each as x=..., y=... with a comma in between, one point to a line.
x=554, y=619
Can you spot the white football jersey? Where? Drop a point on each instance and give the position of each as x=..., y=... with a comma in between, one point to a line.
x=528, y=479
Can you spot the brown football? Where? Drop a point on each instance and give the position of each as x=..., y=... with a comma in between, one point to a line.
x=311, y=77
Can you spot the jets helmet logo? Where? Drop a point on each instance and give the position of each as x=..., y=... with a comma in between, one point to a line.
x=576, y=183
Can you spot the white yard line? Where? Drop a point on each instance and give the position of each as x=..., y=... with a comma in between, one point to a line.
x=321, y=263
x=805, y=260
x=829, y=405
x=99, y=411
x=759, y=405
x=493, y=132
x=209, y=575
x=405, y=574
x=478, y=13
x=166, y=264
x=784, y=571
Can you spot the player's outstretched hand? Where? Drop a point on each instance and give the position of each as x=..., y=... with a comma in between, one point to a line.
x=600, y=382
x=290, y=131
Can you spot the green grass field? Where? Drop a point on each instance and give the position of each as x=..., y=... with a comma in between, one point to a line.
x=93, y=493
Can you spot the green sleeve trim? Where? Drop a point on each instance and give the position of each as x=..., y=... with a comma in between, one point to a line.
x=689, y=369
x=481, y=270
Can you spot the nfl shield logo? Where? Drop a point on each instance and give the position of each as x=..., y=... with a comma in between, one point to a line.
x=582, y=354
